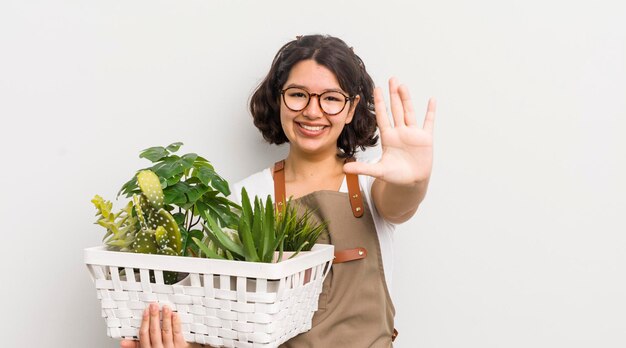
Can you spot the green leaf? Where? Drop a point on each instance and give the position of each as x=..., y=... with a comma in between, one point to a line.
x=129, y=187
x=196, y=192
x=268, y=229
x=174, y=147
x=209, y=177
x=154, y=154
x=220, y=184
x=204, y=174
x=176, y=194
x=188, y=160
x=208, y=252
x=196, y=233
x=246, y=206
x=215, y=207
x=193, y=181
x=257, y=221
x=221, y=238
x=250, y=251
x=224, y=202
x=168, y=167
x=202, y=162
x=188, y=244
x=173, y=180
x=179, y=218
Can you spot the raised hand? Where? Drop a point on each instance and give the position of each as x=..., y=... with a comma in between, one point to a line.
x=153, y=334
x=407, y=147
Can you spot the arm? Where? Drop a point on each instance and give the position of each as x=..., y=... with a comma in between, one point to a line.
x=397, y=203
x=403, y=172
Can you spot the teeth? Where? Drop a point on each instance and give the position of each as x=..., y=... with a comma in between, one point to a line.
x=318, y=128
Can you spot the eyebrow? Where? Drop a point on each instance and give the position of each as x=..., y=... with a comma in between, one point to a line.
x=306, y=89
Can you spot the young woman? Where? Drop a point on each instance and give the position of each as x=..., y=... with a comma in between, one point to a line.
x=318, y=98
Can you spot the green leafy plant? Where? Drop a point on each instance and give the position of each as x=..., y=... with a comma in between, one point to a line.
x=192, y=189
x=168, y=200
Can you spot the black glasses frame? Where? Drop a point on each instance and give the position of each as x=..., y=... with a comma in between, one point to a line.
x=319, y=100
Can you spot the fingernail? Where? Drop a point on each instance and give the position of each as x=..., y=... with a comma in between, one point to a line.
x=153, y=308
x=166, y=309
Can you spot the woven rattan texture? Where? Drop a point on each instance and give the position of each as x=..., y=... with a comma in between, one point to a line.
x=218, y=310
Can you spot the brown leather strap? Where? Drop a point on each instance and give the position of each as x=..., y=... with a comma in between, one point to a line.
x=354, y=192
x=350, y=255
x=279, y=185
x=394, y=335
x=352, y=181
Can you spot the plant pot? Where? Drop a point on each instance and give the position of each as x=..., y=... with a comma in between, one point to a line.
x=220, y=302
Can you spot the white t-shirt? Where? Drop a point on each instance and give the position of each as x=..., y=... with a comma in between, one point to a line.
x=261, y=184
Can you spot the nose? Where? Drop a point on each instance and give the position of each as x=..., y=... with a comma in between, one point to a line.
x=313, y=110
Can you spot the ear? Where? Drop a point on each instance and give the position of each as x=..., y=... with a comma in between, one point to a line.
x=352, y=109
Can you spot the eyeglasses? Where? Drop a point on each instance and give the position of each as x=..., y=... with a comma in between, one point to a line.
x=331, y=102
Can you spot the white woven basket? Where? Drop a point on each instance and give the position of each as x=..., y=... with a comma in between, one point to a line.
x=220, y=303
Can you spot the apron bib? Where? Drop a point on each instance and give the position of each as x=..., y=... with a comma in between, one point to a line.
x=354, y=309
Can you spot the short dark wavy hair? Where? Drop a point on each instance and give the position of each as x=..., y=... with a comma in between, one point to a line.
x=335, y=55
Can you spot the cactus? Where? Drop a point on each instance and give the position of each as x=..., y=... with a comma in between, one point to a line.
x=145, y=242
x=153, y=218
x=160, y=233
x=150, y=186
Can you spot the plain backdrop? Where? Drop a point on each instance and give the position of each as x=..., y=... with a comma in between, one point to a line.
x=520, y=242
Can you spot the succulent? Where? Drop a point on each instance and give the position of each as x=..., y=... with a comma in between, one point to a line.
x=301, y=231
x=261, y=231
x=121, y=227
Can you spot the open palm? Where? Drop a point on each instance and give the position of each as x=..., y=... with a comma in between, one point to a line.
x=407, y=148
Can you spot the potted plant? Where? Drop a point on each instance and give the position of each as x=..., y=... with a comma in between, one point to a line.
x=243, y=281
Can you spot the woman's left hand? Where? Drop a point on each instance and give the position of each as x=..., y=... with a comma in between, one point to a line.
x=153, y=334
x=407, y=148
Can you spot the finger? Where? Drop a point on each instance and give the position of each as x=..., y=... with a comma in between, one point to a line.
x=429, y=120
x=144, y=330
x=155, y=327
x=396, y=103
x=407, y=105
x=379, y=107
x=375, y=170
x=166, y=328
x=179, y=339
x=129, y=344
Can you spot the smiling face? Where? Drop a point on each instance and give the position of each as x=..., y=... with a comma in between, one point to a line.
x=310, y=130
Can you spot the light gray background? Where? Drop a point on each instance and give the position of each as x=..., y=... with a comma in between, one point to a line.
x=520, y=242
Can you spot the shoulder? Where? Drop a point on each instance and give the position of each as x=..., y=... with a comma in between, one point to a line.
x=258, y=184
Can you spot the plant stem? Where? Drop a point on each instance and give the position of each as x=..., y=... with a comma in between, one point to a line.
x=187, y=220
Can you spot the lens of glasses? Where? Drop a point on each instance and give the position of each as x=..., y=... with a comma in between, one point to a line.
x=331, y=102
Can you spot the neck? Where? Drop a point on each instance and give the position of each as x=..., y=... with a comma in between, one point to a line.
x=300, y=166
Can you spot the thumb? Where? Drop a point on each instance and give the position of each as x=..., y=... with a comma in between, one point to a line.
x=361, y=168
